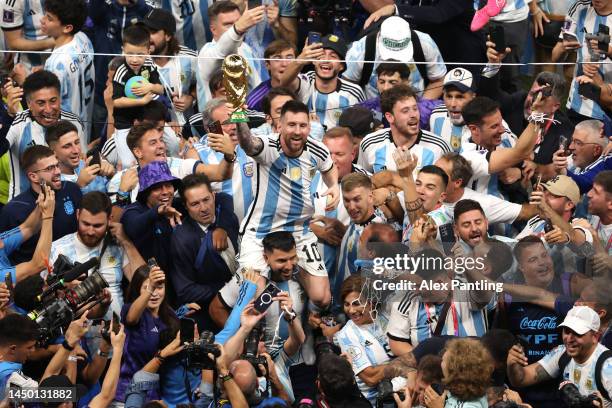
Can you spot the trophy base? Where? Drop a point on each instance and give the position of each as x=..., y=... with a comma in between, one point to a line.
x=238, y=116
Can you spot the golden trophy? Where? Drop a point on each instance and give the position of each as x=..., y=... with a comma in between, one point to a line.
x=235, y=71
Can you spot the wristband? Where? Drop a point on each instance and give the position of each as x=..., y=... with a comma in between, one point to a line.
x=73, y=359
x=232, y=160
x=125, y=194
x=159, y=357
x=67, y=346
x=226, y=377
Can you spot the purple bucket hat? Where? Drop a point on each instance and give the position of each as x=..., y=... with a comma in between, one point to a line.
x=154, y=173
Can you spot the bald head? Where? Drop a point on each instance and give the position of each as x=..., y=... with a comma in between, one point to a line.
x=244, y=376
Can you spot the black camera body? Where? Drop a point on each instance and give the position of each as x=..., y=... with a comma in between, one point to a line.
x=323, y=15
x=385, y=394
x=198, y=350
x=251, y=345
x=571, y=397
x=58, y=311
x=603, y=41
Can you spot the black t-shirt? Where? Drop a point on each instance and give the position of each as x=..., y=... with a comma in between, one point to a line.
x=124, y=117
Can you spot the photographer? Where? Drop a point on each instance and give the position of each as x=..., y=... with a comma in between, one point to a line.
x=581, y=360
x=97, y=236
x=337, y=386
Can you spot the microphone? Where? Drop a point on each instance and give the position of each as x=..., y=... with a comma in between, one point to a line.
x=80, y=269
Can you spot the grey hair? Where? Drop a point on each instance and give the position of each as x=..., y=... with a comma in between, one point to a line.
x=594, y=130
x=210, y=107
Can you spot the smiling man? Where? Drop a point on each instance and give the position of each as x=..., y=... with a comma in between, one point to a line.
x=42, y=94
x=322, y=90
x=200, y=269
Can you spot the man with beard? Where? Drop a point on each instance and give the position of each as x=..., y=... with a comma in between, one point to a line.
x=581, y=360
x=42, y=94
x=64, y=140
x=399, y=105
x=359, y=204
x=287, y=163
x=242, y=184
x=177, y=66
x=471, y=225
x=42, y=169
x=322, y=90
x=94, y=238
x=200, y=270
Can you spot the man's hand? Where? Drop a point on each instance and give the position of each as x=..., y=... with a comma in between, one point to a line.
x=405, y=161
x=407, y=402
x=183, y=102
x=332, y=231
x=129, y=179
x=537, y=199
x=272, y=14
x=333, y=197
x=314, y=320
x=556, y=236
x=76, y=330
x=309, y=53
x=221, y=143
x=13, y=98
x=250, y=18
x=221, y=361
x=106, y=169
x=510, y=175
x=384, y=11
x=433, y=399
x=285, y=301
x=539, y=18
x=46, y=202
x=116, y=229
x=423, y=231
x=5, y=298
x=495, y=57
x=517, y=356
x=117, y=340
x=88, y=173
x=571, y=45
x=249, y=316
x=219, y=239
x=171, y=213
x=560, y=161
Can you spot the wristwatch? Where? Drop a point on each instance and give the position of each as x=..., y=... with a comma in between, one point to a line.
x=226, y=377
x=232, y=160
x=67, y=346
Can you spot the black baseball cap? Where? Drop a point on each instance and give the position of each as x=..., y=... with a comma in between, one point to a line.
x=335, y=43
x=160, y=19
x=359, y=119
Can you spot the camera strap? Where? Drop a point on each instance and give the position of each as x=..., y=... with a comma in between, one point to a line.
x=441, y=319
x=565, y=359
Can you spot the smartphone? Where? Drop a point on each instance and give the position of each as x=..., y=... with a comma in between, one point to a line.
x=448, y=237
x=538, y=182
x=95, y=155
x=187, y=327
x=563, y=144
x=569, y=36
x=116, y=323
x=314, y=37
x=438, y=388
x=498, y=36
x=151, y=263
x=43, y=187
x=8, y=280
x=589, y=91
x=264, y=301
x=215, y=127
x=548, y=226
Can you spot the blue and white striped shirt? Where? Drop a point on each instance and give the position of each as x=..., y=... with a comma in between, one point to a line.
x=192, y=25
x=25, y=14
x=99, y=183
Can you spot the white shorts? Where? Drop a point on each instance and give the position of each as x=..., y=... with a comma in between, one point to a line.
x=309, y=257
x=116, y=150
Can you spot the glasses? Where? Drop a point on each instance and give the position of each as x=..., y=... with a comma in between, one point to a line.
x=580, y=143
x=49, y=169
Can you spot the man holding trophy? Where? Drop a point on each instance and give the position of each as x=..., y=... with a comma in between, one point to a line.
x=287, y=162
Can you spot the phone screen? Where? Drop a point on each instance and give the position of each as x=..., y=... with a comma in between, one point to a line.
x=215, y=127
x=187, y=327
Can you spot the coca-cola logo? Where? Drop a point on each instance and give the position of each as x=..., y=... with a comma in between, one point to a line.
x=549, y=322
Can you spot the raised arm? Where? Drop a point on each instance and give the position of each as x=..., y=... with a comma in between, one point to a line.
x=406, y=162
x=135, y=260
x=156, y=279
x=251, y=145
x=520, y=373
x=109, y=386
x=309, y=52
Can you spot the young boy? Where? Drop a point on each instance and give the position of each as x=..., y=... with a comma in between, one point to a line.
x=72, y=57
x=136, y=41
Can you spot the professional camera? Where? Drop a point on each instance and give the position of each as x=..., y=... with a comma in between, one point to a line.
x=571, y=397
x=324, y=345
x=385, y=394
x=60, y=308
x=251, y=345
x=198, y=350
x=603, y=42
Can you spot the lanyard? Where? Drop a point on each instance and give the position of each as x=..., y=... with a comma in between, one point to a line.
x=455, y=320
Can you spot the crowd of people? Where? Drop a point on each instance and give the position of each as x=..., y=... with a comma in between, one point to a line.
x=414, y=210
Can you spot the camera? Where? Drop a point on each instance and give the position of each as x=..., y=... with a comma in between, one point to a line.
x=59, y=310
x=197, y=352
x=251, y=345
x=571, y=397
x=385, y=394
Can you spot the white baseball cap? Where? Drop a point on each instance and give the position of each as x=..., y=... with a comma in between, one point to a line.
x=460, y=78
x=394, y=40
x=581, y=319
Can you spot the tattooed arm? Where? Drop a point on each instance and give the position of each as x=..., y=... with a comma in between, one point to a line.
x=250, y=144
x=521, y=374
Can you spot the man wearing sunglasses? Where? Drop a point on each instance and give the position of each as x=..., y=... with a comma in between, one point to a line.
x=42, y=169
